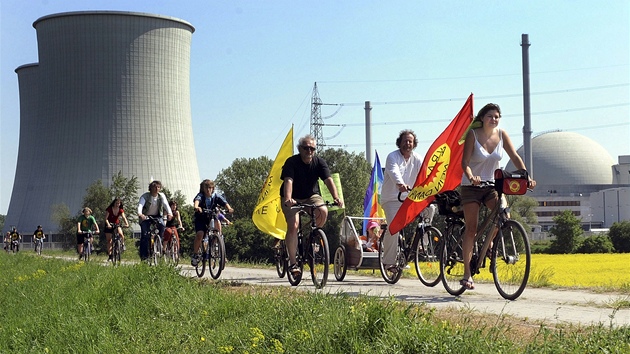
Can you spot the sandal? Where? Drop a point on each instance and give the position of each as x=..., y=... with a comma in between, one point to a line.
x=468, y=284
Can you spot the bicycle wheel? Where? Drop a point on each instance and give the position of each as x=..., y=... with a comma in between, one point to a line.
x=116, y=251
x=427, y=258
x=340, y=266
x=216, y=261
x=511, y=260
x=451, y=260
x=393, y=274
x=281, y=259
x=86, y=251
x=38, y=248
x=174, y=249
x=319, y=258
x=157, y=250
x=200, y=268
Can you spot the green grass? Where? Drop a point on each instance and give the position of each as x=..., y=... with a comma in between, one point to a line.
x=57, y=306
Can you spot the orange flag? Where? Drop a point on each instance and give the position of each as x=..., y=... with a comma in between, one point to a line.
x=441, y=169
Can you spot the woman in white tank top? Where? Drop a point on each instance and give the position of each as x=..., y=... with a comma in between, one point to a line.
x=483, y=150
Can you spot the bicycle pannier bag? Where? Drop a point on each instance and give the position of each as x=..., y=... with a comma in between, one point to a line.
x=511, y=183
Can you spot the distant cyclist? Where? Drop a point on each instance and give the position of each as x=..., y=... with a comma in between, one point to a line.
x=39, y=234
x=172, y=225
x=15, y=237
x=152, y=203
x=7, y=241
x=86, y=224
x=113, y=213
x=207, y=198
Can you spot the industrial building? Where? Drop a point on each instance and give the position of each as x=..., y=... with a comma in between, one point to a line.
x=573, y=172
x=110, y=93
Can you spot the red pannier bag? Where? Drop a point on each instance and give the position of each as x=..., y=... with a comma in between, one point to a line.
x=511, y=183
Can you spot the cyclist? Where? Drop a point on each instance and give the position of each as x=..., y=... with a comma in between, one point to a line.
x=152, y=203
x=207, y=198
x=113, y=213
x=39, y=234
x=15, y=236
x=172, y=225
x=7, y=241
x=300, y=174
x=483, y=149
x=401, y=170
x=86, y=224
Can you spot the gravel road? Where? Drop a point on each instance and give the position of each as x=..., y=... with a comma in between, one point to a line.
x=537, y=305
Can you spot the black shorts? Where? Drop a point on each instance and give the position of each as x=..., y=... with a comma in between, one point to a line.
x=81, y=238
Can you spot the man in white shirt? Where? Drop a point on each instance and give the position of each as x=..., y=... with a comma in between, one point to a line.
x=152, y=203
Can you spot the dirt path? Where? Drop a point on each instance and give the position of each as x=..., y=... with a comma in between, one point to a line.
x=536, y=305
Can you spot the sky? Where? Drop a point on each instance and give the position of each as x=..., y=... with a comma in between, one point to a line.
x=254, y=65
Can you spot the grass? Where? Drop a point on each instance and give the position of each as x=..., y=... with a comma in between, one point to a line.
x=58, y=306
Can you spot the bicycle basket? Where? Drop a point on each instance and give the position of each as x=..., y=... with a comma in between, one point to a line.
x=449, y=203
x=510, y=183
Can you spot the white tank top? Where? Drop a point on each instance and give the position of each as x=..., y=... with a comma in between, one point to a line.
x=483, y=163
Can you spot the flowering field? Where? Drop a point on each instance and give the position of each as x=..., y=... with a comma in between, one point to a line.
x=600, y=271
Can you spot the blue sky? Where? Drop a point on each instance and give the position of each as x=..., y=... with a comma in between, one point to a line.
x=254, y=63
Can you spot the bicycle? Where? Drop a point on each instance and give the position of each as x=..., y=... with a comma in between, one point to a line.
x=509, y=252
x=422, y=248
x=311, y=248
x=280, y=257
x=171, y=251
x=212, y=247
x=117, y=247
x=155, y=247
x=87, y=245
x=15, y=246
x=39, y=243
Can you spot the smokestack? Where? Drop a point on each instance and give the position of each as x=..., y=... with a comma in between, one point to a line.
x=368, y=132
x=527, y=127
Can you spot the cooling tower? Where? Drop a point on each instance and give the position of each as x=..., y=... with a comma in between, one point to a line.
x=110, y=93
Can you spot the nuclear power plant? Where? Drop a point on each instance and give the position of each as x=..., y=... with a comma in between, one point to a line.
x=110, y=93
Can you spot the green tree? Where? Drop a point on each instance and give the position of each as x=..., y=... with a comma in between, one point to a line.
x=567, y=230
x=127, y=190
x=2, y=220
x=620, y=236
x=522, y=209
x=242, y=183
x=67, y=224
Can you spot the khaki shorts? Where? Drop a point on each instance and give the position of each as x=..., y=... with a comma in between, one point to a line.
x=314, y=199
x=479, y=195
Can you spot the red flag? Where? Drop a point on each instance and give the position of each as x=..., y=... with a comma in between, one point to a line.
x=441, y=169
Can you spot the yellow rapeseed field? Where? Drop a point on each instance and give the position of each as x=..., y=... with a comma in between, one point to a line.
x=584, y=270
x=604, y=271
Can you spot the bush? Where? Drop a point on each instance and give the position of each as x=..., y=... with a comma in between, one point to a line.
x=620, y=236
x=541, y=246
x=596, y=244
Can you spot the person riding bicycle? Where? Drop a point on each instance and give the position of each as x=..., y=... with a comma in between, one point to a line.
x=300, y=174
x=207, y=198
x=401, y=170
x=7, y=240
x=85, y=225
x=152, y=203
x=172, y=225
x=483, y=149
x=113, y=213
x=39, y=234
x=15, y=237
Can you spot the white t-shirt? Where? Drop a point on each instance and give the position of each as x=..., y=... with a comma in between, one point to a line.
x=397, y=171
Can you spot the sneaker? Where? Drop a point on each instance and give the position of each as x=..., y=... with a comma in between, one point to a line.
x=109, y=259
x=124, y=247
x=407, y=266
x=295, y=270
x=194, y=260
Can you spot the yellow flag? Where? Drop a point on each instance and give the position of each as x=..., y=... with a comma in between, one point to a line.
x=268, y=216
x=325, y=193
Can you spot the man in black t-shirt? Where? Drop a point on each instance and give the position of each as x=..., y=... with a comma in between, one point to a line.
x=300, y=174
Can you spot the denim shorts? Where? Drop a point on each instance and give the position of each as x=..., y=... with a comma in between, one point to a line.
x=479, y=195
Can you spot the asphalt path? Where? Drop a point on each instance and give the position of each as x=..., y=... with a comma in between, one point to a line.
x=548, y=306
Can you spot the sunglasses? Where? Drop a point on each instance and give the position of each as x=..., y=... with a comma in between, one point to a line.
x=308, y=148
